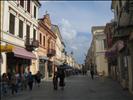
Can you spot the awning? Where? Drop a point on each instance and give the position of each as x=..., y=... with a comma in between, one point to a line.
x=23, y=53
x=119, y=45
x=43, y=57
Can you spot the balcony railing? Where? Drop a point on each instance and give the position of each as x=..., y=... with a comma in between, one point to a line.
x=51, y=52
x=31, y=44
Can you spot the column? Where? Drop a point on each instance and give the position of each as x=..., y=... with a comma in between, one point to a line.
x=46, y=70
x=4, y=63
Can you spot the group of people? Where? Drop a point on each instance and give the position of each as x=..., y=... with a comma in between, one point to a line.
x=15, y=82
x=59, y=75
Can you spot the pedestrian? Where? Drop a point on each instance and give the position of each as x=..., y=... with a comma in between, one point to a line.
x=38, y=78
x=30, y=81
x=14, y=84
x=25, y=80
x=55, y=81
x=4, y=83
x=62, y=77
x=92, y=70
x=18, y=80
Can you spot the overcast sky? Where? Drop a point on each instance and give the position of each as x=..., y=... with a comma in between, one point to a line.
x=75, y=19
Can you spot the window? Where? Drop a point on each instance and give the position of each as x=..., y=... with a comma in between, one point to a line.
x=20, y=28
x=28, y=6
x=44, y=41
x=105, y=43
x=12, y=24
x=34, y=34
x=28, y=31
x=22, y=3
x=120, y=3
x=117, y=10
x=40, y=38
x=35, y=11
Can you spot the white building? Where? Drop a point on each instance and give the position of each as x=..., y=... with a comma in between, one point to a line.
x=19, y=28
x=99, y=42
x=60, y=48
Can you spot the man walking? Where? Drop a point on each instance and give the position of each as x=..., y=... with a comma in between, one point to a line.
x=92, y=70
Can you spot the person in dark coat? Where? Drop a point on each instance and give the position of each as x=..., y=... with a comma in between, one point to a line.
x=30, y=81
x=38, y=78
x=92, y=70
x=62, y=77
x=55, y=81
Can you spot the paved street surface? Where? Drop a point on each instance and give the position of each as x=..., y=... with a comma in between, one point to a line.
x=77, y=88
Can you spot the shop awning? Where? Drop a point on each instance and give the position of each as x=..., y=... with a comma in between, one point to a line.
x=23, y=53
x=119, y=45
x=43, y=57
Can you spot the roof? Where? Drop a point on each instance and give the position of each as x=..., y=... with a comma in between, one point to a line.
x=96, y=28
x=37, y=1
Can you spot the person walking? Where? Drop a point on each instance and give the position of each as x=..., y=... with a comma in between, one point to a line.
x=14, y=87
x=30, y=81
x=92, y=71
x=62, y=77
x=4, y=83
x=55, y=81
x=38, y=78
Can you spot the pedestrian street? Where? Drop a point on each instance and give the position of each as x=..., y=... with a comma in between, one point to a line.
x=76, y=88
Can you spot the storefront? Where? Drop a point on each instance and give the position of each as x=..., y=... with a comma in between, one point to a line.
x=43, y=66
x=18, y=60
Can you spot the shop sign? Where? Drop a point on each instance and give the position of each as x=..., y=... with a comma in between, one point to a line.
x=6, y=48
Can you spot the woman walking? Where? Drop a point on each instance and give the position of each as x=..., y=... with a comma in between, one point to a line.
x=55, y=81
x=30, y=81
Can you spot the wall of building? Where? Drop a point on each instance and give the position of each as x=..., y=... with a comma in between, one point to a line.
x=20, y=13
x=99, y=51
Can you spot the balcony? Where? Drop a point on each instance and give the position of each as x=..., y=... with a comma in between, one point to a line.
x=51, y=52
x=31, y=44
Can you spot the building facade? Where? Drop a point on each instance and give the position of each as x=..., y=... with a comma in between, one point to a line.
x=19, y=32
x=47, y=49
x=99, y=42
x=123, y=17
x=60, y=48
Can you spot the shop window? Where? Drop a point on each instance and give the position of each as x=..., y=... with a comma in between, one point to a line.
x=20, y=28
x=12, y=24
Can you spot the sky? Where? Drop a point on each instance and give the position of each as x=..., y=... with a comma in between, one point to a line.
x=75, y=19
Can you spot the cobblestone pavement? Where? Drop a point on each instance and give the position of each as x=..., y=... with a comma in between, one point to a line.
x=77, y=88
